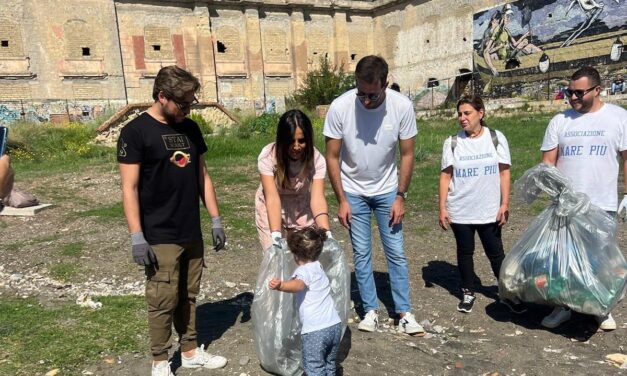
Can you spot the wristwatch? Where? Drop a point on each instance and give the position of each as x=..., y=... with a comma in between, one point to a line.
x=402, y=194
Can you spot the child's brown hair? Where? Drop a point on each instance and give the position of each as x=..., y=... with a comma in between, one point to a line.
x=306, y=244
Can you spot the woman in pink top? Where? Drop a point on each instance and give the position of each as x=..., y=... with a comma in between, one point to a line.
x=292, y=170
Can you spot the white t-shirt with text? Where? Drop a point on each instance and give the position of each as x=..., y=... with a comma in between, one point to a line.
x=474, y=194
x=369, y=140
x=588, y=147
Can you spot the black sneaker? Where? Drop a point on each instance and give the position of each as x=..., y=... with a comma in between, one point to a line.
x=514, y=305
x=467, y=302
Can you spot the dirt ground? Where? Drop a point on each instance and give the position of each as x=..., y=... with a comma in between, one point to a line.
x=488, y=341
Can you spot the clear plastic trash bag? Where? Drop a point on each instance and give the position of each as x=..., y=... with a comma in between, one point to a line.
x=568, y=256
x=276, y=326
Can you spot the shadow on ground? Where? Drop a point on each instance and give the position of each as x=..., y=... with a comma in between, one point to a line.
x=216, y=318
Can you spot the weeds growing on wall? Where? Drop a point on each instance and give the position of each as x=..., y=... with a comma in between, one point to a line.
x=323, y=85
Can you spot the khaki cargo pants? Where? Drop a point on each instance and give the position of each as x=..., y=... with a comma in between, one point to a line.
x=171, y=292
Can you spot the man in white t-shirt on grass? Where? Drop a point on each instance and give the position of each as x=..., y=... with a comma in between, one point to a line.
x=363, y=128
x=583, y=143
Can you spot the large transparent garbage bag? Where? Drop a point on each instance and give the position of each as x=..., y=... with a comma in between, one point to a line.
x=276, y=325
x=568, y=256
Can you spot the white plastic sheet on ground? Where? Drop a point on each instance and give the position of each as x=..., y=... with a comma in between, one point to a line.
x=568, y=256
x=276, y=326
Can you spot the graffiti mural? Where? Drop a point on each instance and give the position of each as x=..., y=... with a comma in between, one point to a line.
x=529, y=40
x=8, y=115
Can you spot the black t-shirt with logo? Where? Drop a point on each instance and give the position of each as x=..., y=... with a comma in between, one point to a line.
x=168, y=182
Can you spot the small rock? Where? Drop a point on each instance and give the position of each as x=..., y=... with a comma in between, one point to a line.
x=219, y=293
x=244, y=360
x=617, y=359
x=16, y=277
x=230, y=284
x=350, y=321
x=426, y=324
x=438, y=329
x=53, y=372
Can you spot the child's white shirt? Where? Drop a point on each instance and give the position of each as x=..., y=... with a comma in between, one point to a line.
x=315, y=304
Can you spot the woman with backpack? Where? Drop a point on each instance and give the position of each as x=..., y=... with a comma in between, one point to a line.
x=474, y=194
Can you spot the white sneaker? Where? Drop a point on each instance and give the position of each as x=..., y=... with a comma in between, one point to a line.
x=407, y=324
x=203, y=359
x=556, y=318
x=370, y=322
x=606, y=322
x=161, y=369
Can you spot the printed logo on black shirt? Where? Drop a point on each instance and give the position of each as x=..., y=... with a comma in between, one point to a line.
x=122, y=147
x=180, y=159
x=175, y=141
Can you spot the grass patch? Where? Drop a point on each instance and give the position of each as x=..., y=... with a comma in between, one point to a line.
x=30, y=333
x=64, y=271
x=105, y=213
x=73, y=249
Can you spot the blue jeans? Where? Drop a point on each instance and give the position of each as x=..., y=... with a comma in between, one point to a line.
x=618, y=88
x=320, y=349
x=392, y=239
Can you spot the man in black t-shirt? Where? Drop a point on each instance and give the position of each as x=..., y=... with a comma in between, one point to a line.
x=163, y=173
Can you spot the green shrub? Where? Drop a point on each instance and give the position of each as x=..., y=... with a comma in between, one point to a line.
x=266, y=123
x=323, y=85
x=205, y=126
x=40, y=142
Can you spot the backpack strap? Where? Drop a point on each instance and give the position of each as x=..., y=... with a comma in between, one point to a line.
x=495, y=140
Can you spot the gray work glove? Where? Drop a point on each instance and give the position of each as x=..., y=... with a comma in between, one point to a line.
x=141, y=250
x=217, y=232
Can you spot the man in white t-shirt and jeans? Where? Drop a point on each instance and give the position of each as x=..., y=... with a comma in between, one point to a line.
x=583, y=143
x=363, y=128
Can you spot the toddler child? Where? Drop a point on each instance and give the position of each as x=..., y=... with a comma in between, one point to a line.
x=322, y=330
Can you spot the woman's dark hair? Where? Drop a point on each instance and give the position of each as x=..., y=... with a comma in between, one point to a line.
x=476, y=102
x=289, y=122
x=306, y=244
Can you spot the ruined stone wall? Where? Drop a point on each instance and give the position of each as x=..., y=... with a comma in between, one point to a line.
x=428, y=39
x=247, y=55
x=57, y=55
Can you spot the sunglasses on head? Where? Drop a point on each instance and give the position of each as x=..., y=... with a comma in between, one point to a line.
x=578, y=93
